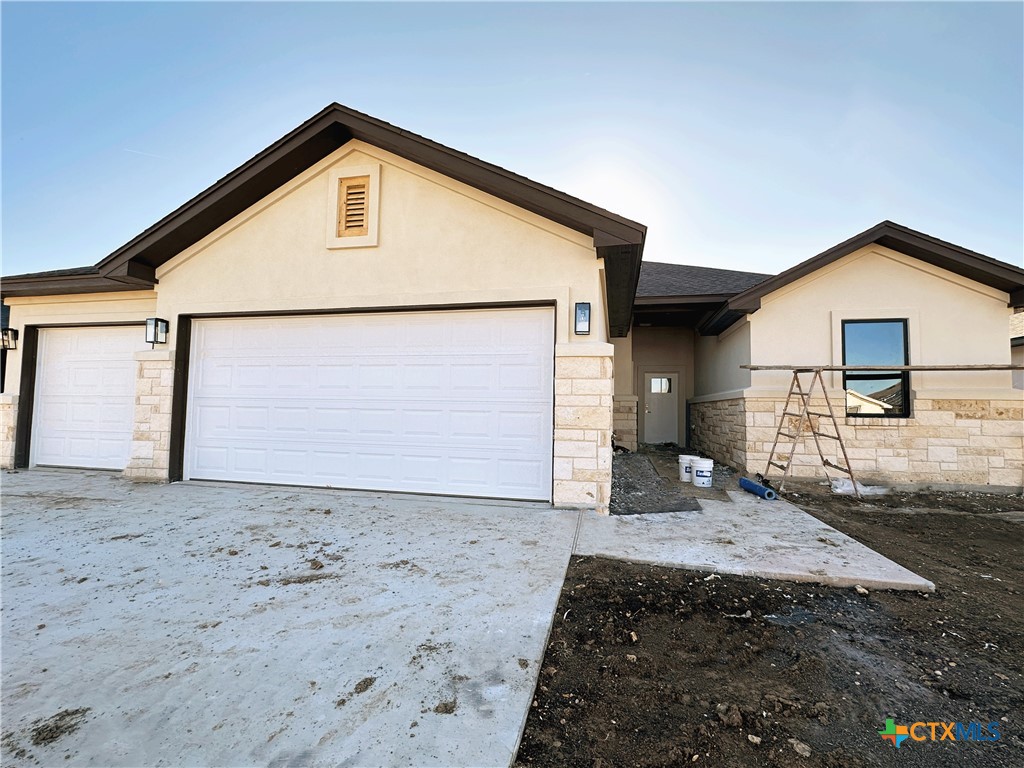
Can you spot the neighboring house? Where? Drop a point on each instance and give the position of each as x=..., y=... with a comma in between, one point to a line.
x=863, y=405
x=355, y=307
x=889, y=296
x=360, y=307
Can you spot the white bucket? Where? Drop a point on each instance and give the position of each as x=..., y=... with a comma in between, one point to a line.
x=685, y=468
x=702, y=472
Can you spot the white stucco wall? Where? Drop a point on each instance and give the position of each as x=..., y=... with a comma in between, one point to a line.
x=952, y=321
x=717, y=361
x=440, y=242
x=966, y=428
x=80, y=309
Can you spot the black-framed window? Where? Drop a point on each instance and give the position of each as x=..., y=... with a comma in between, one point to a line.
x=878, y=393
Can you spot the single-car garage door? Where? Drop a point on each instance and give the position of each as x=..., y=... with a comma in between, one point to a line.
x=454, y=402
x=84, y=408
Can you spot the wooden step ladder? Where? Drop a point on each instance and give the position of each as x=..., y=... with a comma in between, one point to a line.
x=796, y=390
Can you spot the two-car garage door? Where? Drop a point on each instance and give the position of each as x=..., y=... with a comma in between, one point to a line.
x=454, y=402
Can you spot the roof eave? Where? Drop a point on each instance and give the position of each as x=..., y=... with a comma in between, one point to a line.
x=621, y=275
x=322, y=134
x=698, y=298
x=55, y=285
x=975, y=266
x=720, y=321
x=616, y=239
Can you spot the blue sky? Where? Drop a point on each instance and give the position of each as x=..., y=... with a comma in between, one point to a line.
x=746, y=136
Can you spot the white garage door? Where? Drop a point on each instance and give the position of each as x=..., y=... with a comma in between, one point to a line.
x=84, y=409
x=432, y=402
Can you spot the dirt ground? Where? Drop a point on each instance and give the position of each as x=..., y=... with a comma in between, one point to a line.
x=646, y=482
x=651, y=666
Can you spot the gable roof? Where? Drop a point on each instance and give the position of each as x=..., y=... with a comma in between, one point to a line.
x=662, y=280
x=956, y=259
x=133, y=266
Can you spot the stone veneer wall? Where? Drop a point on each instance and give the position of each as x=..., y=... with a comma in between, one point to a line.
x=624, y=420
x=8, y=422
x=151, y=440
x=717, y=429
x=583, y=431
x=945, y=442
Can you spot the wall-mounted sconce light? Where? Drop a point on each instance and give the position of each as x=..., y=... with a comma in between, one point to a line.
x=10, y=338
x=582, y=318
x=156, y=331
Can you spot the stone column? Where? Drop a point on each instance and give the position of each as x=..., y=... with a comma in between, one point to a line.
x=583, y=426
x=151, y=440
x=8, y=423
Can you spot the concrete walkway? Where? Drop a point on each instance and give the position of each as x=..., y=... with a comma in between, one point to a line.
x=747, y=536
x=244, y=625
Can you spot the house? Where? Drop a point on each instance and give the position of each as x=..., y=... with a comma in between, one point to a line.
x=888, y=296
x=360, y=307
x=356, y=306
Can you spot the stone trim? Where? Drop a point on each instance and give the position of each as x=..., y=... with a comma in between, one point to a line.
x=624, y=420
x=8, y=429
x=151, y=440
x=718, y=429
x=945, y=443
x=582, y=464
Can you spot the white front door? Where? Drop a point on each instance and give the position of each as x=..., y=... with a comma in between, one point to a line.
x=84, y=410
x=455, y=402
x=661, y=408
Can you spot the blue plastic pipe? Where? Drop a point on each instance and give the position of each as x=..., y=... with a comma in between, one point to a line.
x=758, y=490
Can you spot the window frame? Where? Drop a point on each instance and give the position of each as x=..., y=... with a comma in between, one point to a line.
x=904, y=376
x=667, y=385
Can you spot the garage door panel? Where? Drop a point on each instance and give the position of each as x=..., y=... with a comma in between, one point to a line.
x=255, y=378
x=513, y=426
x=418, y=423
x=213, y=375
x=213, y=419
x=293, y=376
x=520, y=472
x=84, y=408
x=334, y=377
x=424, y=379
x=429, y=402
x=471, y=377
x=254, y=417
x=330, y=422
x=251, y=460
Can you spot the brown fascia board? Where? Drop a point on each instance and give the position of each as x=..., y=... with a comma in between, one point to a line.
x=133, y=265
x=720, y=320
x=621, y=275
x=697, y=298
x=324, y=133
x=985, y=270
x=46, y=284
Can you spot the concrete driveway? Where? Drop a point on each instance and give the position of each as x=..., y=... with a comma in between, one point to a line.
x=237, y=625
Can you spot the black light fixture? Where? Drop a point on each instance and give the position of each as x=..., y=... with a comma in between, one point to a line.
x=10, y=338
x=582, y=318
x=156, y=331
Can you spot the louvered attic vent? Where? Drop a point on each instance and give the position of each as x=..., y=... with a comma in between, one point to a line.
x=353, y=202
